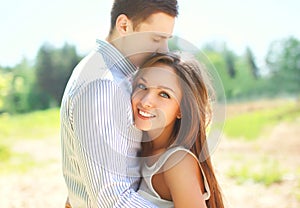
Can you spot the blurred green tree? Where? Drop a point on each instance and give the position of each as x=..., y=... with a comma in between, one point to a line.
x=53, y=69
x=20, y=80
x=5, y=82
x=243, y=85
x=283, y=60
x=251, y=62
x=230, y=57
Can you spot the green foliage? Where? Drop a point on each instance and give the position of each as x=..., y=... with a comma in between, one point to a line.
x=5, y=80
x=53, y=69
x=21, y=79
x=27, y=87
x=266, y=171
x=283, y=60
x=242, y=78
x=230, y=62
x=250, y=125
x=251, y=61
x=240, y=83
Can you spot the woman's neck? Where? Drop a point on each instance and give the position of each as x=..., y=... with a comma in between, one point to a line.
x=157, y=141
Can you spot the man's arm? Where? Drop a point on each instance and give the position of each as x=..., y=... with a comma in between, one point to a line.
x=100, y=115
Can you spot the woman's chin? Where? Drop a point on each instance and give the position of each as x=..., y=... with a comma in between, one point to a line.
x=142, y=127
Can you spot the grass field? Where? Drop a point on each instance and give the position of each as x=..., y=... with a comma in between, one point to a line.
x=34, y=125
x=258, y=156
x=249, y=125
x=25, y=127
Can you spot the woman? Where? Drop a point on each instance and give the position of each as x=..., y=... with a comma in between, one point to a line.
x=171, y=105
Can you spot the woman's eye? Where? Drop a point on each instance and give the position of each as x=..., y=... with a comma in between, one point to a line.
x=141, y=86
x=164, y=95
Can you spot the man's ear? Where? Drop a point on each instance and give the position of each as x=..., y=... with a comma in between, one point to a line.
x=123, y=25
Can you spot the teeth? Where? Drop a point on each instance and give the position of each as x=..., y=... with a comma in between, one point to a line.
x=145, y=114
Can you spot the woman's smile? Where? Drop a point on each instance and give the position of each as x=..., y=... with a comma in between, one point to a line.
x=145, y=115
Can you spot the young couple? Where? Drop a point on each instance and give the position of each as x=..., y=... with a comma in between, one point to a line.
x=113, y=116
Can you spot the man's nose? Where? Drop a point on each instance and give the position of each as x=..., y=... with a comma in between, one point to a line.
x=163, y=46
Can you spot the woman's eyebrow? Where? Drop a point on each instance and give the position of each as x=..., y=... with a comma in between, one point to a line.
x=142, y=78
x=160, y=86
x=166, y=88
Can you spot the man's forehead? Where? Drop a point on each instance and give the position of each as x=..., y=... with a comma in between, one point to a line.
x=158, y=22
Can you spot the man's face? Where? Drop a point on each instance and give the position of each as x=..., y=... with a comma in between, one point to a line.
x=149, y=36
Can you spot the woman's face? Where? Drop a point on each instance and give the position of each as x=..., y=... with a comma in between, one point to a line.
x=156, y=98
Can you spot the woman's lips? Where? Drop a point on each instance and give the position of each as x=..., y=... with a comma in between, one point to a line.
x=145, y=115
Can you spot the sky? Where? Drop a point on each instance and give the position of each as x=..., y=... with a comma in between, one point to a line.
x=26, y=25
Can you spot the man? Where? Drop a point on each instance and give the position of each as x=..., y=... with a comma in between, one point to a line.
x=99, y=142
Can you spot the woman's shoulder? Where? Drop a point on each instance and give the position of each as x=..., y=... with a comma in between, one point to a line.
x=183, y=177
x=175, y=157
x=184, y=167
x=179, y=157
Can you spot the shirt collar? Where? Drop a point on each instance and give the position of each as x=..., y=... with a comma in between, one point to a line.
x=114, y=58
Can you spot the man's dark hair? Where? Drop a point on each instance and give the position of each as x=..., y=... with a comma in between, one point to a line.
x=139, y=10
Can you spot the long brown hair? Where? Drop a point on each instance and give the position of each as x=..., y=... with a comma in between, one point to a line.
x=196, y=113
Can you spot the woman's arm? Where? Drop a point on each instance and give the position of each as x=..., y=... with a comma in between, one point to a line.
x=185, y=182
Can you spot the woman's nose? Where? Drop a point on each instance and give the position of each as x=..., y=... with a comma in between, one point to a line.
x=147, y=100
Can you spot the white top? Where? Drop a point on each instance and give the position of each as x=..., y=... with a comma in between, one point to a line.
x=146, y=189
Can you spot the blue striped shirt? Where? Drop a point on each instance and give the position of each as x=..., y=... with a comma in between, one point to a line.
x=99, y=141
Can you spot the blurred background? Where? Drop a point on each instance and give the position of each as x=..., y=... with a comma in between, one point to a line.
x=253, y=45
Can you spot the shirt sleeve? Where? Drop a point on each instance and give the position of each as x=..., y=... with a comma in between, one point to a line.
x=104, y=147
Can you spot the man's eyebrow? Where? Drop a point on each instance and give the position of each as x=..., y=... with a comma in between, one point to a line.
x=164, y=35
